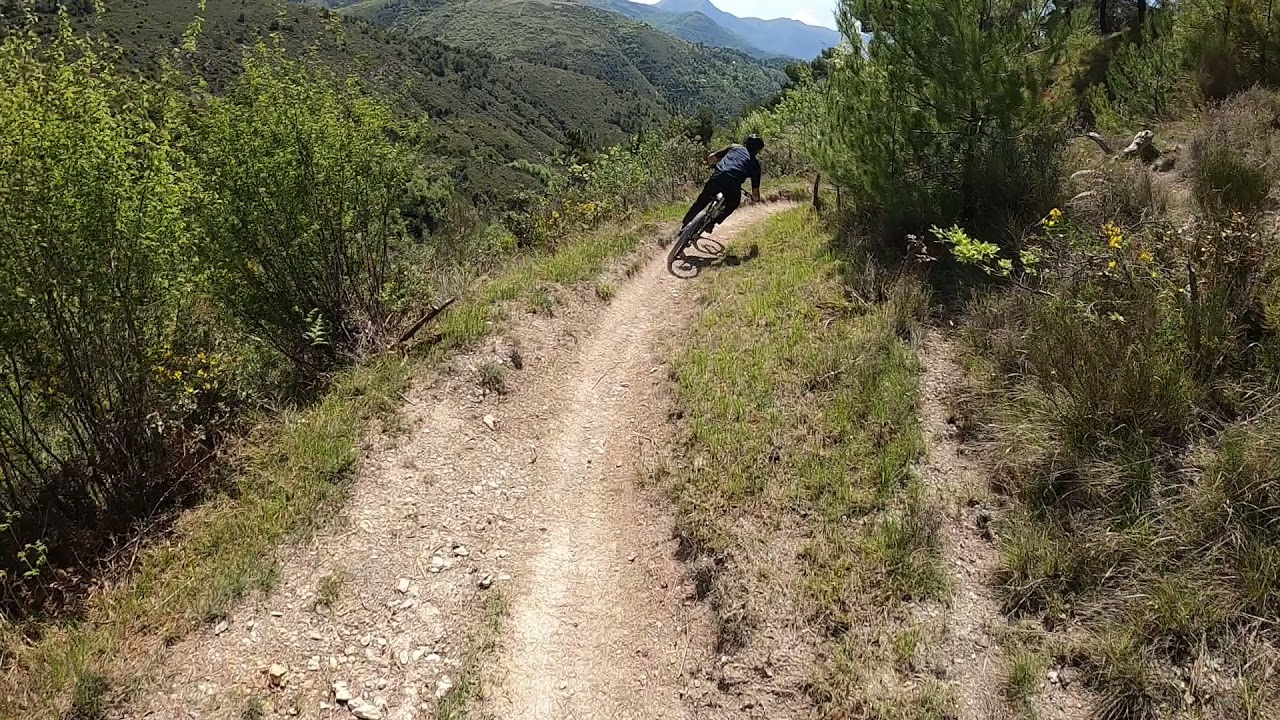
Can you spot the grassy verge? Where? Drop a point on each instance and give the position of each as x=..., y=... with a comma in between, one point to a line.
x=290, y=476
x=801, y=431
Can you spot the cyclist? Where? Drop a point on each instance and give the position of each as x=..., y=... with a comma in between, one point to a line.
x=734, y=165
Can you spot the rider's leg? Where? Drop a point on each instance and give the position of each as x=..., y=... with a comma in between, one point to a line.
x=732, y=199
x=704, y=199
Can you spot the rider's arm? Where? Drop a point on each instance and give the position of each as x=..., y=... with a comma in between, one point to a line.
x=755, y=183
x=714, y=158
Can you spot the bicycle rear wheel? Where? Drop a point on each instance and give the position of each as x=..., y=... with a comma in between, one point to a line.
x=678, y=263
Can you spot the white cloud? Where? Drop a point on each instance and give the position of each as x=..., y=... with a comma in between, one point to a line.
x=814, y=12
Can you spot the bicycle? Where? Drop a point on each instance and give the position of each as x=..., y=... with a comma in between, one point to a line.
x=690, y=235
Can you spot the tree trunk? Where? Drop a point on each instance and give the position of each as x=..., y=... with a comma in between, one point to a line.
x=1266, y=43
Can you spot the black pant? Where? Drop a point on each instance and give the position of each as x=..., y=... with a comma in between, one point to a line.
x=716, y=185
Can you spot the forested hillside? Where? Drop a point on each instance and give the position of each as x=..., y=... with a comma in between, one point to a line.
x=631, y=57
x=487, y=111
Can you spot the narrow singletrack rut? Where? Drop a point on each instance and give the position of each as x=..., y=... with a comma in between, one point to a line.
x=543, y=511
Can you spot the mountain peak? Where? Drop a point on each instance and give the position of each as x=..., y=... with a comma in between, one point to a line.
x=782, y=36
x=703, y=6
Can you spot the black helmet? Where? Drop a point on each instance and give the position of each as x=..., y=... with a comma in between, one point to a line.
x=754, y=144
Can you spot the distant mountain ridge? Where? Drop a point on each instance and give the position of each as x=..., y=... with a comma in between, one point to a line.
x=782, y=37
x=694, y=27
x=633, y=59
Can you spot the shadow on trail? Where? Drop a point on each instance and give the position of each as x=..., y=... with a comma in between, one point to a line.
x=687, y=266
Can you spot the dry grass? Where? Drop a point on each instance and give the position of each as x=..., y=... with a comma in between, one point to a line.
x=290, y=476
x=800, y=411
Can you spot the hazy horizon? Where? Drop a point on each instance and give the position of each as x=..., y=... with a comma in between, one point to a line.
x=813, y=12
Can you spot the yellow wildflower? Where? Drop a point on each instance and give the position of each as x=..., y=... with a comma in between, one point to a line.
x=1146, y=256
x=177, y=374
x=1111, y=265
x=207, y=386
x=1114, y=238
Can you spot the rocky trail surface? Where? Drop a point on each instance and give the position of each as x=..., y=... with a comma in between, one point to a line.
x=508, y=519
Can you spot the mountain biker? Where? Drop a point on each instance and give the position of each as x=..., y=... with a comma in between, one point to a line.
x=734, y=165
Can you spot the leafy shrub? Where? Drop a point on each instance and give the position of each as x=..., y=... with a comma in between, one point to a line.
x=791, y=129
x=305, y=182
x=1126, y=194
x=616, y=182
x=948, y=119
x=1231, y=46
x=96, y=267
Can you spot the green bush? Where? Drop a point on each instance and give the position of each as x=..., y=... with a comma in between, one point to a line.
x=1231, y=46
x=305, y=183
x=1126, y=397
x=96, y=270
x=950, y=119
x=1147, y=78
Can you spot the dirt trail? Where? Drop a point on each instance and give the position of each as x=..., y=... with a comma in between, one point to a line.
x=973, y=627
x=969, y=625
x=542, y=510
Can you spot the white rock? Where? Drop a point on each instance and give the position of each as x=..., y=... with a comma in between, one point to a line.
x=491, y=422
x=220, y=628
x=341, y=692
x=485, y=581
x=277, y=673
x=461, y=551
x=403, y=586
x=315, y=635
x=443, y=686
x=364, y=710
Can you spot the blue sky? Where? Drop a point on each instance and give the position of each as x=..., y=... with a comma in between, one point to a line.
x=814, y=12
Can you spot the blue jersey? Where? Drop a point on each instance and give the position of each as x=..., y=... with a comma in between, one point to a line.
x=737, y=165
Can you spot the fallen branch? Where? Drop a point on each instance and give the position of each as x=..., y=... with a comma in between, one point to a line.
x=422, y=322
x=1101, y=141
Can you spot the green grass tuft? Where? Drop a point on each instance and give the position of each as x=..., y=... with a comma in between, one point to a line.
x=492, y=377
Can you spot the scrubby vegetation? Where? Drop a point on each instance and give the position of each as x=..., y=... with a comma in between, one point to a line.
x=1118, y=324
x=1116, y=314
